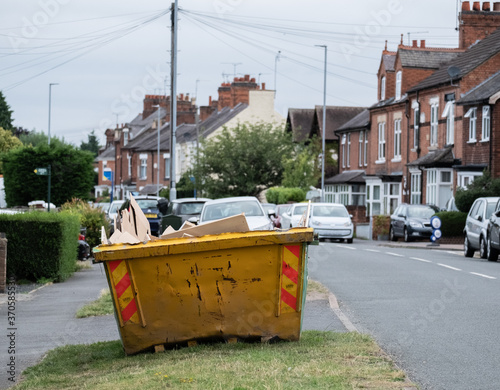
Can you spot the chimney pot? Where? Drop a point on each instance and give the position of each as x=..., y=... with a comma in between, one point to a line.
x=466, y=6
x=247, y=77
x=252, y=80
x=263, y=86
x=422, y=43
x=486, y=6
x=496, y=7
x=415, y=43
x=210, y=100
x=476, y=6
x=236, y=79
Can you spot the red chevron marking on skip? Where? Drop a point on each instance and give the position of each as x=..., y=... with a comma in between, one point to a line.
x=290, y=273
x=289, y=299
x=129, y=311
x=295, y=249
x=122, y=285
x=114, y=264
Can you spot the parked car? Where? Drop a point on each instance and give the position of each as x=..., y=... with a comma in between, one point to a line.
x=255, y=215
x=280, y=210
x=149, y=206
x=292, y=216
x=186, y=208
x=476, y=226
x=493, y=235
x=412, y=221
x=331, y=220
x=450, y=205
x=113, y=209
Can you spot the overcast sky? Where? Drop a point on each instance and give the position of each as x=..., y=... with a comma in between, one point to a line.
x=106, y=55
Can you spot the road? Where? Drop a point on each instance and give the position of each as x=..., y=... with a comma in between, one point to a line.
x=435, y=312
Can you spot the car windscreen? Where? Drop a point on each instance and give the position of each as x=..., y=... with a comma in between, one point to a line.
x=299, y=210
x=490, y=209
x=147, y=203
x=115, y=207
x=190, y=208
x=329, y=211
x=420, y=212
x=223, y=210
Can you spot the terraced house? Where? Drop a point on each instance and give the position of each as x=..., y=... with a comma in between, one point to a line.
x=435, y=126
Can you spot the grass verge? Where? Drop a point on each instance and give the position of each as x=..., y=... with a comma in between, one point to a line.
x=100, y=307
x=320, y=360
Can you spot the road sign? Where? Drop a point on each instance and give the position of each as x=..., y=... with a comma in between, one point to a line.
x=41, y=171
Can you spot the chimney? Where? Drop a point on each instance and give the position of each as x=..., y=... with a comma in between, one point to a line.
x=422, y=43
x=486, y=6
x=476, y=6
x=210, y=100
x=466, y=6
x=182, y=96
x=476, y=25
x=415, y=43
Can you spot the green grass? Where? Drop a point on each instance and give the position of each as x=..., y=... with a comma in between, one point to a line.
x=320, y=360
x=100, y=307
x=80, y=265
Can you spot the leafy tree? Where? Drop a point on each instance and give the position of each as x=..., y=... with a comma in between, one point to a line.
x=302, y=170
x=35, y=139
x=72, y=174
x=243, y=160
x=481, y=186
x=7, y=142
x=5, y=114
x=92, y=145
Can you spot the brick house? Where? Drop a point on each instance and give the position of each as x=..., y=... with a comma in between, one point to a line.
x=131, y=150
x=425, y=134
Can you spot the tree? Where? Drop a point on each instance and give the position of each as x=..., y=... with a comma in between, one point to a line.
x=5, y=114
x=35, y=139
x=72, y=174
x=243, y=160
x=483, y=185
x=302, y=169
x=7, y=142
x=92, y=145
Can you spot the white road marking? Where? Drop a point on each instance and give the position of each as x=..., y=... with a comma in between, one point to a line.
x=458, y=253
x=347, y=247
x=372, y=250
x=394, y=254
x=483, y=275
x=450, y=267
x=416, y=258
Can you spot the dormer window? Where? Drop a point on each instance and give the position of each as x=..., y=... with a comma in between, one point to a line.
x=382, y=88
x=399, y=77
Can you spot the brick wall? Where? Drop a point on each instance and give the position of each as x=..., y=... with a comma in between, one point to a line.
x=476, y=24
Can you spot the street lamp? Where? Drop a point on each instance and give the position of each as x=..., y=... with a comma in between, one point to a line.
x=324, y=129
x=50, y=168
x=158, y=153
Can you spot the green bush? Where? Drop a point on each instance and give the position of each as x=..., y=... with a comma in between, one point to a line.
x=282, y=195
x=482, y=186
x=90, y=218
x=452, y=223
x=40, y=245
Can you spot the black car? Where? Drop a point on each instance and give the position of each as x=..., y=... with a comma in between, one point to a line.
x=186, y=208
x=149, y=206
x=493, y=235
x=412, y=221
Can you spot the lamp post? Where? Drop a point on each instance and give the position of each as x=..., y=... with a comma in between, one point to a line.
x=324, y=129
x=173, y=101
x=158, y=152
x=50, y=168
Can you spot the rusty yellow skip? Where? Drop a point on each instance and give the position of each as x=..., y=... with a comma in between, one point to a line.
x=228, y=286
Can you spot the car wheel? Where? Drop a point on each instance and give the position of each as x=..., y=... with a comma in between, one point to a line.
x=407, y=236
x=349, y=240
x=341, y=240
x=483, y=251
x=392, y=236
x=468, y=251
x=492, y=254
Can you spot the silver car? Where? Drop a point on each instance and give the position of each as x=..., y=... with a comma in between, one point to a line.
x=331, y=220
x=476, y=226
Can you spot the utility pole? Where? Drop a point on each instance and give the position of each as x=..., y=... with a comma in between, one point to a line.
x=324, y=129
x=173, y=101
x=50, y=166
x=276, y=59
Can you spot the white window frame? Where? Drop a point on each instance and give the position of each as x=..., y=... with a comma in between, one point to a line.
x=486, y=125
x=399, y=82
x=382, y=88
x=343, y=149
x=166, y=165
x=416, y=187
x=397, y=140
x=449, y=114
x=416, y=125
x=348, y=150
x=434, y=124
x=381, y=142
x=360, y=152
x=129, y=165
x=365, y=150
x=465, y=178
x=143, y=166
x=472, y=115
x=372, y=201
x=434, y=182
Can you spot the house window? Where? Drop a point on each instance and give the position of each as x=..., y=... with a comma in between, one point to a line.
x=381, y=142
x=432, y=186
x=358, y=193
x=472, y=115
x=399, y=77
x=343, y=150
x=349, y=150
x=434, y=124
x=449, y=114
x=129, y=165
x=373, y=198
x=485, y=136
x=361, y=142
x=397, y=139
x=416, y=126
x=166, y=163
x=382, y=88
x=365, y=151
x=466, y=178
x=143, y=168
x=392, y=197
x=439, y=186
x=416, y=188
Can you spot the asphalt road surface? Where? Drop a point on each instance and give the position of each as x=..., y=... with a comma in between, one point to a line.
x=435, y=312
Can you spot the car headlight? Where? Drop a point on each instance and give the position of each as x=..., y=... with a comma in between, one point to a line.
x=416, y=224
x=348, y=224
x=315, y=223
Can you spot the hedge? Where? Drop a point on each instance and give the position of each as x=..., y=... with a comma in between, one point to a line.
x=452, y=223
x=282, y=195
x=41, y=245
